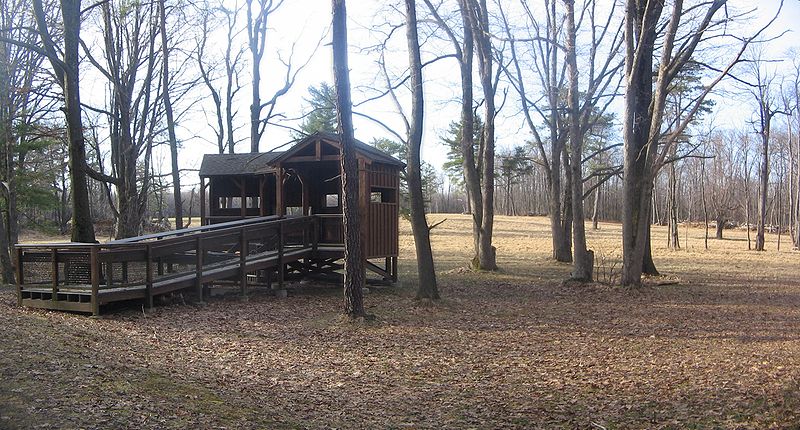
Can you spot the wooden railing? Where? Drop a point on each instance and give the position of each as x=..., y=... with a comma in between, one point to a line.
x=83, y=276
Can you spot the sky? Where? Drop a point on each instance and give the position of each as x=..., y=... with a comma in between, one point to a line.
x=305, y=22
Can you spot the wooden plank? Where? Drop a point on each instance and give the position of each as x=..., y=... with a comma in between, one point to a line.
x=61, y=305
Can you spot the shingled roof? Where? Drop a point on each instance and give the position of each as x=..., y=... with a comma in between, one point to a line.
x=263, y=162
x=237, y=164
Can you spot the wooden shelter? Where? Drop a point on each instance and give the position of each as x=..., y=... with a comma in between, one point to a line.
x=305, y=180
x=269, y=216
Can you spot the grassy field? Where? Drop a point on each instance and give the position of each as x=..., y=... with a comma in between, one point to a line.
x=714, y=343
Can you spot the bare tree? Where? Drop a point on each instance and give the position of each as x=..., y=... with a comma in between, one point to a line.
x=762, y=91
x=646, y=144
x=134, y=112
x=258, y=15
x=538, y=49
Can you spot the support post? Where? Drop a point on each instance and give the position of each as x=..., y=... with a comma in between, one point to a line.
x=202, y=201
x=94, y=269
x=243, y=195
x=280, y=255
x=148, y=283
x=54, y=268
x=198, y=268
x=243, y=251
x=394, y=269
x=20, y=275
x=262, y=196
x=279, y=209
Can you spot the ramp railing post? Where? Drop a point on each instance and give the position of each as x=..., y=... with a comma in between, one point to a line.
x=280, y=254
x=243, y=262
x=54, y=268
x=94, y=268
x=20, y=275
x=199, y=268
x=148, y=283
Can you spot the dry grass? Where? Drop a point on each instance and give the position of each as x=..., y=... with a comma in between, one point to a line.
x=719, y=349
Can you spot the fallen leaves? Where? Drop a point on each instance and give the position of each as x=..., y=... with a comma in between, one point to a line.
x=513, y=349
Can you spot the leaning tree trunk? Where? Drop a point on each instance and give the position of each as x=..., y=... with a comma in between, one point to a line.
x=354, y=275
x=173, y=140
x=419, y=225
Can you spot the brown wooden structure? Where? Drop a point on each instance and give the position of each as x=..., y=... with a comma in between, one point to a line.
x=305, y=180
x=270, y=217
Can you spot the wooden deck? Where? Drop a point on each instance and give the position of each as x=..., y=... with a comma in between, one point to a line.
x=83, y=277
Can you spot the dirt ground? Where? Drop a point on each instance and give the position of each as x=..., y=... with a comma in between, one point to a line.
x=715, y=343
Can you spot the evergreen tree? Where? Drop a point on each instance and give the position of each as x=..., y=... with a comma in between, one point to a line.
x=322, y=116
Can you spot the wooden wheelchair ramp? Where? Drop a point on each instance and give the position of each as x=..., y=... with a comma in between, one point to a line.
x=82, y=277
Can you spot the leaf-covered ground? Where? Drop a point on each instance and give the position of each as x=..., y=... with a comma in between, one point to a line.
x=715, y=344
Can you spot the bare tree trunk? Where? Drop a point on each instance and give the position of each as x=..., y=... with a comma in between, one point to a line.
x=703, y=196
x=762, y=190
x=67, y=73
x=583, y=260
x=479, y=19
x=674, y=234
x=173, y=140
x=354, y=276
x=595, y=210
x=419, y=225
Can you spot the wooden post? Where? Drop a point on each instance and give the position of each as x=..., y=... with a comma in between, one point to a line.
x=363, y=204
x=20, y=275
x=124, y=273
x=243, y=193
x=198, y=268
x=148, y=283
x=315, y=235
x=262, y=196
x=94, y=267
x=394, y=269
x=109, y=273
x=279, y=209
x=280, y=255
x=243, y=262
x=54, y=267
x=202, y=201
